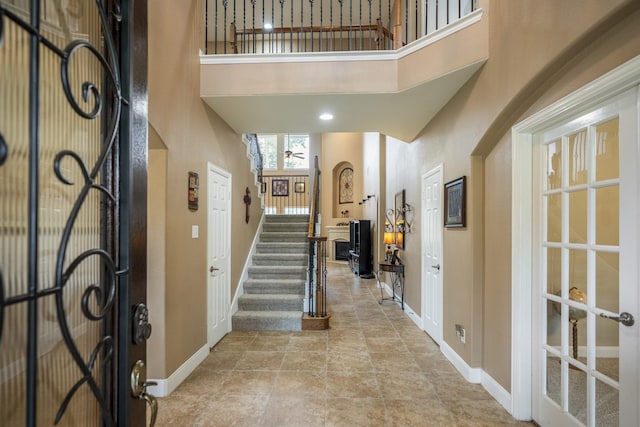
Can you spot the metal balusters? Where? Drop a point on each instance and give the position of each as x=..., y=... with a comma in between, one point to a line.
x=282, y=24
x=225, y=3
x=272, y=35
x=416, y=21
x=311, y=12
x=394, y=29
x=253, y=26
x=350, y=24
x=321, y=22
x=301, y=28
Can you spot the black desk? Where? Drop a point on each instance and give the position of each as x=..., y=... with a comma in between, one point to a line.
x=396, y=274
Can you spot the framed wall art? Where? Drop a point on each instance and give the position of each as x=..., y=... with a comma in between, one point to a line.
x=298, y=187
x=280, y=187
x=455, y=196
x=193, y=193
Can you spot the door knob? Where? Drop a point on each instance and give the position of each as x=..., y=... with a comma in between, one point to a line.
x=139, y=385
x=437, y=266
x=625, y=318
x=212, y=269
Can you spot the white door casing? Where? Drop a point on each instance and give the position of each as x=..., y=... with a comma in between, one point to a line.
x=580, y=185
x=598, y=92
x=218, y=253
x=432, y=298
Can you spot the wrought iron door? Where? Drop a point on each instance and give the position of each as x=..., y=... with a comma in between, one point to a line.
x=72, y=166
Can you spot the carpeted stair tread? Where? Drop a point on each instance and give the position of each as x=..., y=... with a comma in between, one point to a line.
x=274, y=291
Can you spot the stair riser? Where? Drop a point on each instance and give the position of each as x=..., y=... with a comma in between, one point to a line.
x=240, y=324
x=281, y=237
x=289, y=305
x=285, y=228
x=274, y=291
x=286, y=218
x=277, y=276
x=273, y=288
x=275, y=261
x=273, y=248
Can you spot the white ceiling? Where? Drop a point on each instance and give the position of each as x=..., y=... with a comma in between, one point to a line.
x=401, y=115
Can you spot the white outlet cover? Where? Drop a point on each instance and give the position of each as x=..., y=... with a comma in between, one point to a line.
x=194, y=231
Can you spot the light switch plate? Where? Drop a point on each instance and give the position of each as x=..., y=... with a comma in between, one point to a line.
x=194, y=231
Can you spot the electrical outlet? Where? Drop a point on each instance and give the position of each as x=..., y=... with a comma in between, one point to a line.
x=461, y=333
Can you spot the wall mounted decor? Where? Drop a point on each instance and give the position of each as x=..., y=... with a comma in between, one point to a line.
x=345, y=183
x=247, y=203
x=298, y=187
x=280, y=187
x=399, y=223
x=193, y=191
x=455, y=203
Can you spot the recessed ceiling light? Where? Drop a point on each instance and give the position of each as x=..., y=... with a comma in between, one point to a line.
x=326, y=116
x=268, y=26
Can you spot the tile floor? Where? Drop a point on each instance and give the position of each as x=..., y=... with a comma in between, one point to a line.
x=373, y=367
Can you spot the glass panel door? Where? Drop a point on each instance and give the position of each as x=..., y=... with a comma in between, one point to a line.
x=579, y=249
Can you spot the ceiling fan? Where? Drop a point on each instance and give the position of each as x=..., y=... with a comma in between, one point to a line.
x=288, y=153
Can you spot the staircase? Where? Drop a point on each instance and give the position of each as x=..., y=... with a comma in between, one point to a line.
x=274, y=291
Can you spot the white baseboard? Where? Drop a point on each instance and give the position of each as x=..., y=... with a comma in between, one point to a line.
x=472, y=375
x=166, y=386
x=496, y=391
x=245, y=270
x=407, y=309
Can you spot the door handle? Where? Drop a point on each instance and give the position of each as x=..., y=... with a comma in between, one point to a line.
x=139, y=385
x=212, y=269
x=437, y=266
x=625, y=318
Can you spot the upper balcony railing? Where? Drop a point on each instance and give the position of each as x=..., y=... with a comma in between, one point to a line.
x=285, y=26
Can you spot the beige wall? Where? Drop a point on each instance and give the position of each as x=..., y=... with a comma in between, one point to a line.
x=193, y=135
x=338, y=148
x=537, y=55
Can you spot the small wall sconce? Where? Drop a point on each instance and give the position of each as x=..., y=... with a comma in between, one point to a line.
x=405, y=217
x=389, y=220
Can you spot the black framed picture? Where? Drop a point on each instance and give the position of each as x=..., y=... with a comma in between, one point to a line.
x=298, y=187
x=280, y=187
x=455, y=196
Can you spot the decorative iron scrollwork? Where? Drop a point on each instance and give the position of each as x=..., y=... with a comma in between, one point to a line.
x=4, y=149
x=97, y=299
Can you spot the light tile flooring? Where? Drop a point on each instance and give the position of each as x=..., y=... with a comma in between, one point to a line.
x=373, y=367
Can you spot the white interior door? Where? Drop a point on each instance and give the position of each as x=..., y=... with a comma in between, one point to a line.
x=432, y=253
x=218, y=250
x=585, y=258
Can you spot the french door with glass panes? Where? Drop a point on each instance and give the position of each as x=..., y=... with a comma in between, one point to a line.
x=585, y=352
